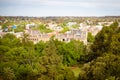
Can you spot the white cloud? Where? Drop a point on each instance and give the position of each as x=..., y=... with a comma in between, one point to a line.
x=60, y=7
x=77, y=3
x=80, y=3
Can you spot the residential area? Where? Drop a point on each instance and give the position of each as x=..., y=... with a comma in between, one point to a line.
x=63, y=29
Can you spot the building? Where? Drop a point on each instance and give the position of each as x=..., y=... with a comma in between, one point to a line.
x=33, y=35
x=18, y=34
x=74, y=34
x=36, y=36
x=95, y=29
x=71, y=23
x=2, y=34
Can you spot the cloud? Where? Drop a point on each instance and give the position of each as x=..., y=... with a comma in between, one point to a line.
x=83, y=3
x=60, y=7
x=66, y=3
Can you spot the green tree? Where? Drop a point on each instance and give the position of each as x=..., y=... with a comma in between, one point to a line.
x=71, y=55
x=103, y=68
x=10, y=40
x=8, y=74
x=90, y=38
x=105, y=56
x=39, y=47
x=52, y=64
x=103, y=41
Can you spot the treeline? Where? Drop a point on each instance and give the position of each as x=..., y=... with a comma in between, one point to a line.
x=104, y=56
x=58, y=20
x=20, y=59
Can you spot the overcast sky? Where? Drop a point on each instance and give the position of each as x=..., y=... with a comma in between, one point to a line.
x=59, y=7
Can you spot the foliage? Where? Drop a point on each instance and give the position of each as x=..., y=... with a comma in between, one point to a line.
x=75, y=26
x=19, y=28
x=39, y=47
x=65, y=29
x=71, y=55
x=101, y=69
x=103, y=41
x=22, y=60
x=10, y=40
x=42, y=28
x=90, y=38
x=104, y=59
x=64, y=26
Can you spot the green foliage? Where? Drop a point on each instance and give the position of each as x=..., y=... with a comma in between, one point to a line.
x=105, y=56
x=10, y=40
x=7, y=23
x=75, y=26
x=103, y=68
x=76, y=71
x=39, y=47
x=65, y=29
x=19, y=28
x=63, y=24
x=114, y=45
x=90, y=38
x=42, y=28
x=103, y=40
x=8, y=74
x=25, y=42
x=22, y=60
x=52, y=63
x=71, y=55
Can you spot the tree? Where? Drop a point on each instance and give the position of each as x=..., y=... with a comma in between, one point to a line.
x=90, y=38
x=104, y=58
x=10, y=40
x=114, y=45
x=8, y=74
x=103, y=68
x=39, y=47
x=31, y=62
x=71, y=55
x=103, y=40
x=52, y=64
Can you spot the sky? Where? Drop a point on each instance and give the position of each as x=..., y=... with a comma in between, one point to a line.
x=59, y=8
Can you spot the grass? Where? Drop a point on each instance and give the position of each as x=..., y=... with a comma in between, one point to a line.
x=42, y=28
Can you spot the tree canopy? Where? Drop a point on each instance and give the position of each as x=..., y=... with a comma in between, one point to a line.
x=104, y=58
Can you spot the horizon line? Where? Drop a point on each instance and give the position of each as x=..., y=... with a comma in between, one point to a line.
x=59, y=16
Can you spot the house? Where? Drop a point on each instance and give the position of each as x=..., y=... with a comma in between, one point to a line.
x=30, y=25
x=36, y=36
x=45, y=37
x=33, y=35
x=57, y=28
x=0, y=27
x=2, y=34
x=61, y=37
x=119, y=24
x=18, y=34
x=74, y=34
x=95, y=29
x=71, y=23
x=1, y=30
x=105, y=23
x=51, y=25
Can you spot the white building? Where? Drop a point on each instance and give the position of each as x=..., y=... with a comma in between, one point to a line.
x=30, y=25
x=18, y=34
x=0, y=27
x=71, y=23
